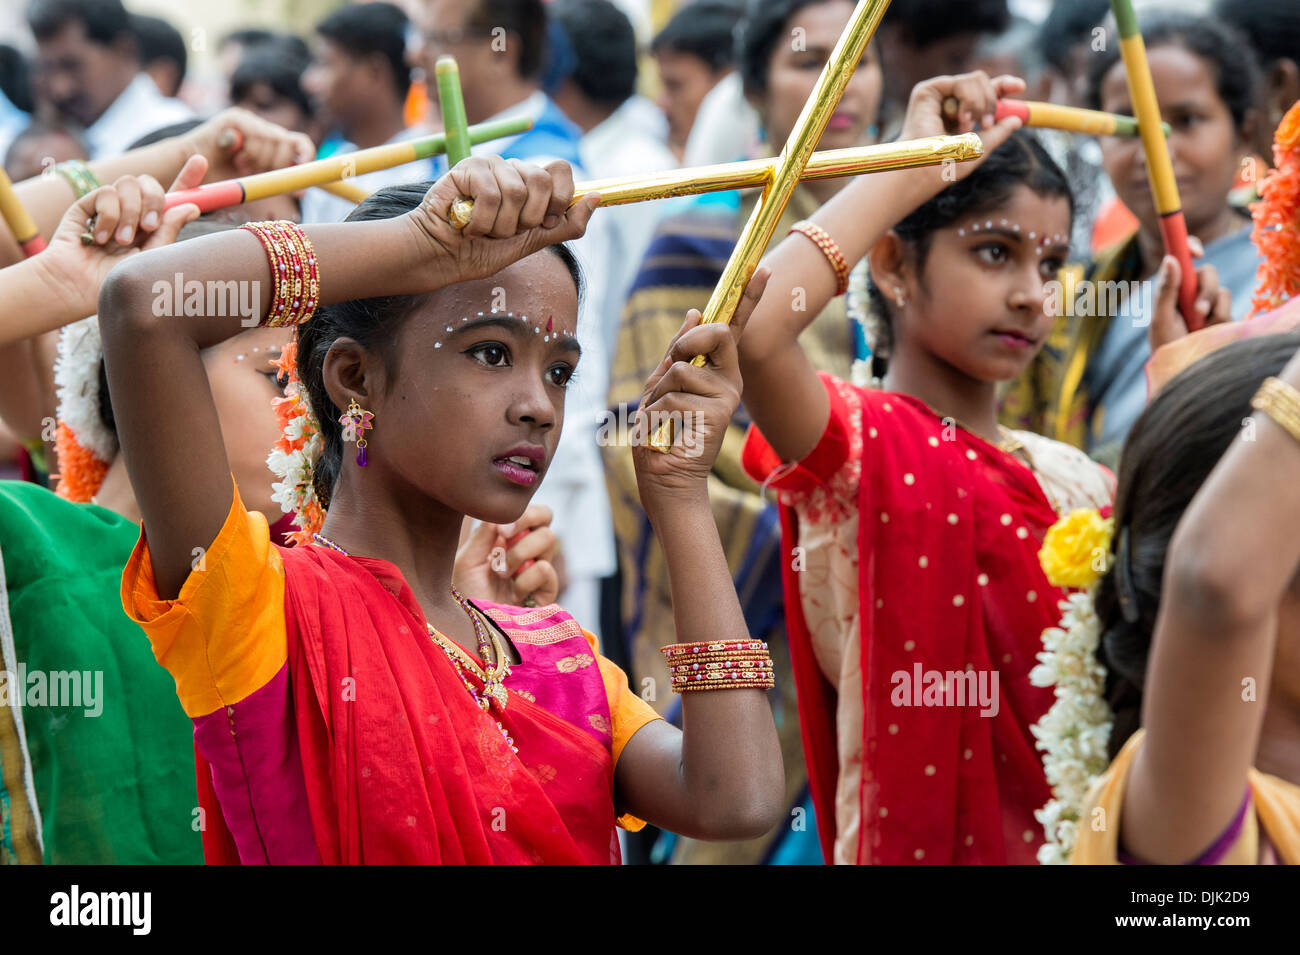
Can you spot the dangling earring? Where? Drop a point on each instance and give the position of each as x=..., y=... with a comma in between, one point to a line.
x=898, y=297
x=356, y=422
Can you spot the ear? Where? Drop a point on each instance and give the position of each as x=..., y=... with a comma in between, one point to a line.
x=350, y=371
x=888, y=262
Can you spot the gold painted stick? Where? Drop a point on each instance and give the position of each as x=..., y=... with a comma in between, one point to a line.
x=808, y=129
x=755, y=173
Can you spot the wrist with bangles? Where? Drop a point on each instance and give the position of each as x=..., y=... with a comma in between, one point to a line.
x=295, y=273
x=1281, y=402
x=719, y=665
x=819, y=237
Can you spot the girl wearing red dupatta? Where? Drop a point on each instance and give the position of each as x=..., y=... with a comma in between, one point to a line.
x=349, y=705
x=914, y=596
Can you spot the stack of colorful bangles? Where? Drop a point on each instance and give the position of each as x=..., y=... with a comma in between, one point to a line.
x=719, y=665
x=294, y=270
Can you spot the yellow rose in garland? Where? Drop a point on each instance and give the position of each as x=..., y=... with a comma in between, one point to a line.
x=1076, y=551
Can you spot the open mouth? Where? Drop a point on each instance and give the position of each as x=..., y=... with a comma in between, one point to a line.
x=522, y=468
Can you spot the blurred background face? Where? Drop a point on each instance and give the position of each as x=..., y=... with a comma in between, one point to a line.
x=335, y=82
x=31, y=156
x=1204, y=144
x=261, y=99
x=79, y=77
x=684, y=80
x=795, y=66
x=446, y=29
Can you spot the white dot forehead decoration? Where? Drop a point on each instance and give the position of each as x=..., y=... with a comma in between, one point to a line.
x=550, y=329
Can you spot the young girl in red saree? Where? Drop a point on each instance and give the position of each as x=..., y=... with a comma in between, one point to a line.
x=914, y=595
x=349, y=704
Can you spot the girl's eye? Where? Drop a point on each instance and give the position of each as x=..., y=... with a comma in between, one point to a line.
x=491, y=354
x=278, y=378
x=994, y=253
x=560, y=375
x=1052, y=267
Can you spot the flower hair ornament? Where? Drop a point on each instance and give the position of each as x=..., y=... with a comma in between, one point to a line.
x=1073, y=734
x=869, y=333
x=85, y=446
x=294, y=458
x=1276, y=216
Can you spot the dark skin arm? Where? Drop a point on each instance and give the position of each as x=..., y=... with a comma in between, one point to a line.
x=265, y=146
x=167, y=422
x=721, y=775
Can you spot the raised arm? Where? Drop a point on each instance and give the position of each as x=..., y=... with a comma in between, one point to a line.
x=721, y=776
x=782, y=392
x=265, y=146
x=165, y=415
x=1231, y=564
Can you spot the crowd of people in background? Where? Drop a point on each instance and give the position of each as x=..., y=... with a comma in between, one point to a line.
x=625, y=89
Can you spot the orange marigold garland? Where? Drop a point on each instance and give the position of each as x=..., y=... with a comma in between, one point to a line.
x=295, y=454
x=1277, y=218
x=81, y=471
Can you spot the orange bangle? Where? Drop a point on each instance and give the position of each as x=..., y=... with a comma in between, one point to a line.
x=829, y=249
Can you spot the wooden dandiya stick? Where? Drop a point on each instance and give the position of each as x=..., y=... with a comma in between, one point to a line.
x=451, y=103
x=232, y=140
x=756, y=173
x=1072, y=119
x=19, y=220
x=345, y=190
x=232, y=192
x=1160, y=167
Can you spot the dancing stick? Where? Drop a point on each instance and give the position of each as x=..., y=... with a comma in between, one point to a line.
x=19, y=220
x=451, y=103
x=808, y=129
x=345, y=190
x=1072, y=119
x=231, y=192
x=755, y=173
x=1160, y=167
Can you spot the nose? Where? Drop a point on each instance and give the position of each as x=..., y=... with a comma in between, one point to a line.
x=531, y=405
x=1029, y=293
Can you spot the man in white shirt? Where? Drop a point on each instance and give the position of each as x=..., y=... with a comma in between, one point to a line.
x=357, y=81
x=87, y=69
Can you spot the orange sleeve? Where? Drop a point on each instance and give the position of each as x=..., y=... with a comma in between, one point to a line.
x=627, y=712
x=223, y=637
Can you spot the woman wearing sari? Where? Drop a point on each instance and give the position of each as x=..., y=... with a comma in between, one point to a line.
x=1086, y=386
x=349, y=703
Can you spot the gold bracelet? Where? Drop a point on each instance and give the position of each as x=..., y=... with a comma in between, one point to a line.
x=1281, y=402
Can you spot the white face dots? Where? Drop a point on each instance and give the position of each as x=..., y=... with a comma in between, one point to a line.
x=546, y=329
x=988, y=225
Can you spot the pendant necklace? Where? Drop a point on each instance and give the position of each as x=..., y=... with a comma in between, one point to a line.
x=491, y=676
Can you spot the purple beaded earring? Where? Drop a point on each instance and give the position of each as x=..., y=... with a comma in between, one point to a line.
x=356, y=422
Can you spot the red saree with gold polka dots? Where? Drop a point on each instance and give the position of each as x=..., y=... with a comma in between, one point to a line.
x=949, y=582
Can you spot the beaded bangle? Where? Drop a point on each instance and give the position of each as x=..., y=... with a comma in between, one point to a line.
x=1281, y=402
x=719, y=664
x=79, y=176
x=829, y=249
x=707, y=646
x=294, y=271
